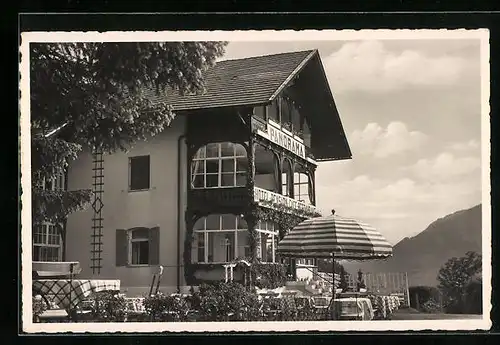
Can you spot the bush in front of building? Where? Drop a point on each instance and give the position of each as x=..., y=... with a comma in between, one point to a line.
x=161, y=307
x=221, y=301
x=107, y=306
x=269, y=275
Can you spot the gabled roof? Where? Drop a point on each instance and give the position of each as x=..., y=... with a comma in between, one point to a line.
x=241, y=82
x=258, y=80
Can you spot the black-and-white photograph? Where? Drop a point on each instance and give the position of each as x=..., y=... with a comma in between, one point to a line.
x=255, y=180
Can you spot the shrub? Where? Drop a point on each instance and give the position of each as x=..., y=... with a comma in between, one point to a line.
x=269, y=275
x=431, y=306
x=39, y=306
x=107, y=306
x=225, y=301
x=424, y=294
x=162, y=307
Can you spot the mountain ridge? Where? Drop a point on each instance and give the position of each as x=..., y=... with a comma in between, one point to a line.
x=422, y=255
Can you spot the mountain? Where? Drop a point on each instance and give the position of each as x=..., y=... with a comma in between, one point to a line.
x=423, y=255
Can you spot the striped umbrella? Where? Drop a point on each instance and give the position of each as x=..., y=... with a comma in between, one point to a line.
x=334, y=236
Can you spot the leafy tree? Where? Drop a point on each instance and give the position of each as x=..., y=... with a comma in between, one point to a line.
x=99, y=97
x=474, y=299
x=455, y=276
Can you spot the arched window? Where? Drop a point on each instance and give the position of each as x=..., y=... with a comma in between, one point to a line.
x=217, y=165
x=287, y=178
x=267, y=169
x=302, y=185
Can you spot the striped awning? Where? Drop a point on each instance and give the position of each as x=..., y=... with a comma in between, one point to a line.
x=345, y=238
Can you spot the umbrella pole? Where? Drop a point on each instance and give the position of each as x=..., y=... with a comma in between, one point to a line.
x=333, y=287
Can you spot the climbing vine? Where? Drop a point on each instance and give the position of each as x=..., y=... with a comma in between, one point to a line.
x=285, y=217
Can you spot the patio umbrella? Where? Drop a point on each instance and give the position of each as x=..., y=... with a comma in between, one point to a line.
x=334, y=237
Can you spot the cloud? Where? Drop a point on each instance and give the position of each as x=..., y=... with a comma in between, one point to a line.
x=368, y=66
x=400, y=207
x=471, y=145
x=380, y=142
x=445, y=166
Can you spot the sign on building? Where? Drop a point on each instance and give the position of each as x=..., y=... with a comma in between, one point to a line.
x=280, y=138
x=264, y=196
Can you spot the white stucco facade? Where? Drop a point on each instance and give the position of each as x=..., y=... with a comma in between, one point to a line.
x=123, y=209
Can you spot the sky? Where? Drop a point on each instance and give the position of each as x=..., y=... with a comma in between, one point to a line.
x=411, y=112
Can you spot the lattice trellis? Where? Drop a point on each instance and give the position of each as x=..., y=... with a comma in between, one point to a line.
x=97, y=219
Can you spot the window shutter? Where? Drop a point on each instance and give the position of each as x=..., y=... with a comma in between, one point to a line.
x=154, y=246
x=121, y=247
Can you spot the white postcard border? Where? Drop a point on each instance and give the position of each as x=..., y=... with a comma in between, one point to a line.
x=265, y=35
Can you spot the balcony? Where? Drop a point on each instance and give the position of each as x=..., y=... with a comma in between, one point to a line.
x=270, y=199
x=238, y=196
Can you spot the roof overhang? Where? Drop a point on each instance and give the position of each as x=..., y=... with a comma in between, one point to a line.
x=329, y=142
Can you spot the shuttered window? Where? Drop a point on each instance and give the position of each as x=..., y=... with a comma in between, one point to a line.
x=139, y=173
x=138, y=246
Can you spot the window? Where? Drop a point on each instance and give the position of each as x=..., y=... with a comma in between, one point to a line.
x=267, y=237
x=46, y=237
x=308, y=262
x=273, y=111
x=137, y=246
x=56, y=183
x=139, y=173
x=47, y=243
x=219, y=165
x=287, y=179
x=266, y=169
x=286, y=114
x=302, y=189
x=260, y=113
x=306, y=131
x=220, y=238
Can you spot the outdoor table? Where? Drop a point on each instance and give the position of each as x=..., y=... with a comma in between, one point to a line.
x=354, y=308
x=68, y=293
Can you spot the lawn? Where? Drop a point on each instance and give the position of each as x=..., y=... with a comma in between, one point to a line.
x=412, y=314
